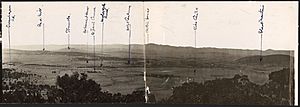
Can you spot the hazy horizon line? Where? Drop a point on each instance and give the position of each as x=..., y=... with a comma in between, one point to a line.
x=150, y=44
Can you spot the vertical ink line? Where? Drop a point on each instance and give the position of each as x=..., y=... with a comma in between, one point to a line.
x=102, y=56
x=129, y=47
x=69, y=53
x=195, y=17
x=69, y=41
x=70, y=50
x=9, y=49
x=43, y=32
x=128, y=28
x=70, y=60
x=146, y=33
x=86, y=31
x=260, y=30
x=195, y=39
x=43, y=37
x=94, y=54
x=68, y=31
x=68, y=37
x=104, y=15
x=8, y=29
x=145, y=72
x=93, y=34
x=195, y=65
x=261, y=45
x=87, y=46
x=87, y=38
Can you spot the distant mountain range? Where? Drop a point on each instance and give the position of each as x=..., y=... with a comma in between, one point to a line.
x=155, y=51
x=188, y=52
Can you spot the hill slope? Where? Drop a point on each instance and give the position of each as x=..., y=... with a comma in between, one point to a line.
x=276, y=59
x=154, y=51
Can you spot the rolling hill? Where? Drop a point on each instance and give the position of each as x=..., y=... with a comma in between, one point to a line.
x=155, y=51
x=276, y=59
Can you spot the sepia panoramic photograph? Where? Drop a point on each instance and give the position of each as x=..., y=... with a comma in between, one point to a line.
x=216, y=53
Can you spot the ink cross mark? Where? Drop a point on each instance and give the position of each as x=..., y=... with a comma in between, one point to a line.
x=104, y=12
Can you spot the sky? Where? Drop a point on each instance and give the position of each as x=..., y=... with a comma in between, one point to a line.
x=220, y=24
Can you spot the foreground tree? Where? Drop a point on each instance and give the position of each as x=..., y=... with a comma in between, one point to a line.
x=75, y=88
x=238, y=90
